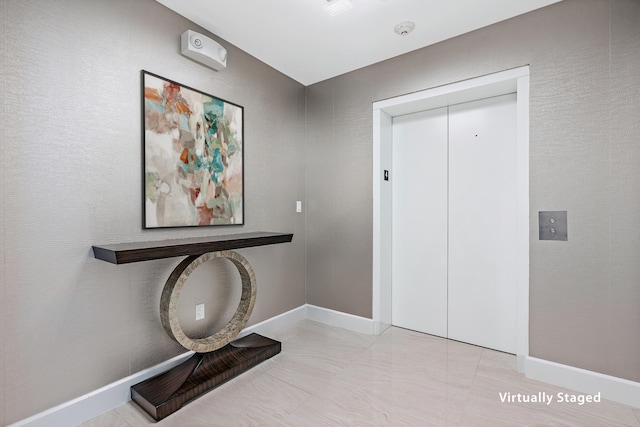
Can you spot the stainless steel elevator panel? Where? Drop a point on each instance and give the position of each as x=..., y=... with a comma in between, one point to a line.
x=552, y=225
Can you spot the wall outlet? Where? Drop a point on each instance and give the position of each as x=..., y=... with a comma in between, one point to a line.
x=199, y=311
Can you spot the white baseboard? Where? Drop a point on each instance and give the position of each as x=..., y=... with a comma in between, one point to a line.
x=341, y=320
x=97, y=402
x=276, y=323
x=588, y=382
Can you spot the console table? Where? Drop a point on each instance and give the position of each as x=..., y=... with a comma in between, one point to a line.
x=217, y=358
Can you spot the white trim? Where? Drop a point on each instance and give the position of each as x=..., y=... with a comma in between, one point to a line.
x=109, y=397
x=522, y=225
x=276, y=323
x=381, y=221
x=99, y=401
x=341, y=320
x=509, y=81
x=500, y=83
x=589, y=382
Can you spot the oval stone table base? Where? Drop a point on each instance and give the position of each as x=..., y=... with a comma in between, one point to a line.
x=164, y=394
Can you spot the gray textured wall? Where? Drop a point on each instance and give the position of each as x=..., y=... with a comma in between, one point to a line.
x=584, y=58
x=71, y=177
x=71, y=150
x=2, y=218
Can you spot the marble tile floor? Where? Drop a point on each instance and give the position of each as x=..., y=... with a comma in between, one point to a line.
x=327, y=376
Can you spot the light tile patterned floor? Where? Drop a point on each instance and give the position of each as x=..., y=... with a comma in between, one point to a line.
x=328, y=376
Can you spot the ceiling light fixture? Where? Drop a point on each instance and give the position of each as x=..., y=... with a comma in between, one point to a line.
x=404, y=28
x=334, y=7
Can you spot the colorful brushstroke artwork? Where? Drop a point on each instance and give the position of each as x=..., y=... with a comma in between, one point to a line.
x=193, y=157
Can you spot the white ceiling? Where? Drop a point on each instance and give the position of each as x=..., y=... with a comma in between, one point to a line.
x=299, y=39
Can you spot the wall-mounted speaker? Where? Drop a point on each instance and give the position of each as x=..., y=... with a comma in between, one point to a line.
x=203, y=50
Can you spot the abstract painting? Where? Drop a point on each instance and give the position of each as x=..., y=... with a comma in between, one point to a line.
x=193, y=157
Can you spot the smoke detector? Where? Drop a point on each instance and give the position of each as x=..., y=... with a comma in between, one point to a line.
x=404, y=28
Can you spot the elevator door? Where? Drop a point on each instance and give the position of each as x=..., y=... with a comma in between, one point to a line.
x=454, y=221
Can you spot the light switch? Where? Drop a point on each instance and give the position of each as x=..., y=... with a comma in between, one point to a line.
x=298, y=206
x=552, y=225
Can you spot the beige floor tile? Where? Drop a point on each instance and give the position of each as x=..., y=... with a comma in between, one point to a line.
x=328, y=376
x=298, y=372
x=255, y=398
x=111, y=418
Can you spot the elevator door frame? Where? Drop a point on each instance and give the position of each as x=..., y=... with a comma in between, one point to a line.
x=509, y=81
